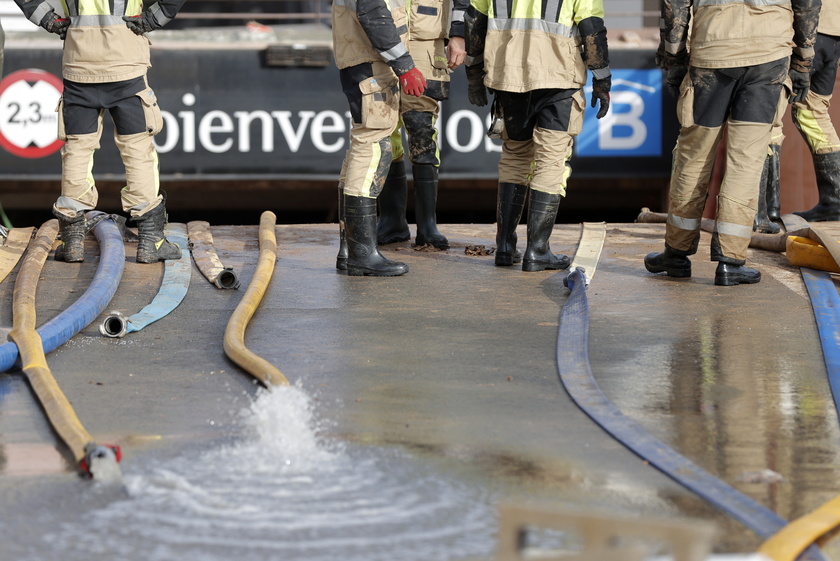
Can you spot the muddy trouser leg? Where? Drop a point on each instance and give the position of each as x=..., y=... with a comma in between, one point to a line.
x=373, y=93
x=423, y=153
x=393, y=201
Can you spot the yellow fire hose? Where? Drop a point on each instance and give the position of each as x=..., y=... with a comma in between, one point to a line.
x=234, y=341
x=34, y=364
x=23, y=333
x=790, y=541
x=14, y=247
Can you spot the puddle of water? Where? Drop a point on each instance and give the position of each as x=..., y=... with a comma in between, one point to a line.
x=277, y=492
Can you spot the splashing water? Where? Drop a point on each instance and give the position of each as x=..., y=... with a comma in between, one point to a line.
x=282, y=492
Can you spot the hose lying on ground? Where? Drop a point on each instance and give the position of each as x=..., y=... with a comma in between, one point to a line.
x=89, y=305
x=234, y=340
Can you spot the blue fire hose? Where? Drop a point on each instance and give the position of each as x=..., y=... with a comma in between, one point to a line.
x=89, y=305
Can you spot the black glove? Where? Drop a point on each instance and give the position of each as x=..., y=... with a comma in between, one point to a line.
x=54, y=24
x=801, y=84
x=601, y=93
x=476, y=92
x=674, y=78
x=141, y=24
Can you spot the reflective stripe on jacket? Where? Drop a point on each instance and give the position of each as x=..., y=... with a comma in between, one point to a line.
x=533, y=45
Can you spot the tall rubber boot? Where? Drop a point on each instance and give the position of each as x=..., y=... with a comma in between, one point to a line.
x=542, y=212
x=393, y=201
x=761, y=222
x=774, y=183
x=425, y=201
x=341, y=258
x=509, y=206
x=72, y=230
x=152, y=245
x=827, y=169
x=363, y=255
x=672, y=262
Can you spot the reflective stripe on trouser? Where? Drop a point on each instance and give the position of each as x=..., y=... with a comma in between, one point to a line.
x=694, y=157
x=141, y=192
x=813, y=121
x=78, y=188
x=746, y=151
x=367, y=161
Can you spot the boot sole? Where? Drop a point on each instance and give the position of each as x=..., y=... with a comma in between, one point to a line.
x=437, y=244
x=354, y=272
x=393, y=238
x=532, y=266
x=735, y=280
x=674, y=273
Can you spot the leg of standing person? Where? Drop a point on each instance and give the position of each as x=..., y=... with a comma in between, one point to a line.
x=137, y=118
x=393, y=201
x=372, y=91
x=814, y=123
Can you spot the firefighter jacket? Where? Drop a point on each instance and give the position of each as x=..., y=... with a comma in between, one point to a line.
x=370, y=31
x=737, y=33
x=531, y=44
x=830, y=18
x=99, y=47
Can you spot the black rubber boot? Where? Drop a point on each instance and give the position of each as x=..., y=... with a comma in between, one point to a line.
x=510, y=202
x=363, y=255
x=152, y=245
x=827, y=169
x=72, y=231
x=341, y=258
x=761, y=222
x=727, y=274
x=425, y=201
x=393, y=200
x=671, y=261
x=774, y=183
x=542, y=212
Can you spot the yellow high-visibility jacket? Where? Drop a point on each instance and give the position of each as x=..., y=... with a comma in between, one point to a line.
x=526, y=48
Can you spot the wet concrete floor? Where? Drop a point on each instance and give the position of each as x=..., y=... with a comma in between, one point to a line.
x=454, y=364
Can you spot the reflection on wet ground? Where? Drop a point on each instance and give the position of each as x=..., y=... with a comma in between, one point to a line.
x=430, y=398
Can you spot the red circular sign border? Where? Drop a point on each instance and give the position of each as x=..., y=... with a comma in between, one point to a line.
x=30, y=75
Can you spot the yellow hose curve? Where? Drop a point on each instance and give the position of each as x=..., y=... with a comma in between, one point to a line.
x=59, y=411
x=14, y=247
x=234, y=340
x=793, y=539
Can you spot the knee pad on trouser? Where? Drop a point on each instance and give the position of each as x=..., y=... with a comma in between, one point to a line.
x=422, y=137
x=141, y=171
x=517, y=161
x=552, y=151
x=77, y=183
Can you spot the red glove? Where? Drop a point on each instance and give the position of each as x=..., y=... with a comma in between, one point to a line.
x=413, y=82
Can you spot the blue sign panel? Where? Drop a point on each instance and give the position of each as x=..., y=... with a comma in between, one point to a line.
x=633, y=125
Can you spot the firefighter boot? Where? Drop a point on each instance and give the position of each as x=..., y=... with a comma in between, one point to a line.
x=761, y=222
x=72, y=230
x=509, y=207
x=363, y=256
x=542, y=211
x=341, y=258
x=728, y=274
x=393, y=200
x=774, y=183
x=673, y=262
x=827, y=169
x=152, y=245
x=425, y=200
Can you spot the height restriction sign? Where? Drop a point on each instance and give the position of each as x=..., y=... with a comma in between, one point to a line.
x=28, y=120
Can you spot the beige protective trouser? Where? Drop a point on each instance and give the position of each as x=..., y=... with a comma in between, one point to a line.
x=368, y=157
x=542, y=162
x=694, y=155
